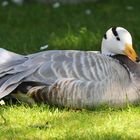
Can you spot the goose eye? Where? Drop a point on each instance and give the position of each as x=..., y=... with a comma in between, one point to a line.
x=105, y=36
x=118, y=38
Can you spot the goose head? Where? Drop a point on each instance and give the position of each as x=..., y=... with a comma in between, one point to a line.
x=118, y=40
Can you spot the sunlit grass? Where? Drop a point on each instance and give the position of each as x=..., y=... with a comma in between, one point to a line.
x=25, y=29
x=74, y=40
x=42, y=122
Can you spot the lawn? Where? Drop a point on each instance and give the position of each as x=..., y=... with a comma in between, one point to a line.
x=24, y=29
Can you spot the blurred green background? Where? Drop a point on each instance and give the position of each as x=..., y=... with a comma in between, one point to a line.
x=24, y=29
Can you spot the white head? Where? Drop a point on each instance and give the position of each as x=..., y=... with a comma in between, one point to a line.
x=118, y=40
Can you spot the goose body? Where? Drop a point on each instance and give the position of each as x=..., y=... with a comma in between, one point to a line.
x=78, y=79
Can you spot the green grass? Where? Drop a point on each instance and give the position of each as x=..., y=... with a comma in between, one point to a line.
x=25, y=29
x=42, y=122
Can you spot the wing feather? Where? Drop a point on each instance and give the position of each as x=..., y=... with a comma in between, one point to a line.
x=48, y=66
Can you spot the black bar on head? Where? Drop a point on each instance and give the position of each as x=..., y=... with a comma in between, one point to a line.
x=114, y=31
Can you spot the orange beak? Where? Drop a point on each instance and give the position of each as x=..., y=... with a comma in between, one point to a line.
x=130, y=52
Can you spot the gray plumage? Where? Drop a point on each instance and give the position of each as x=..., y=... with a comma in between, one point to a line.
x=77, y=78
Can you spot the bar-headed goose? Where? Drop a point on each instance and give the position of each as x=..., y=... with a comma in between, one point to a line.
x=77, y=79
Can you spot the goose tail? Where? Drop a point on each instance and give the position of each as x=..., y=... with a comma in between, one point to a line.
x=9, y=76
